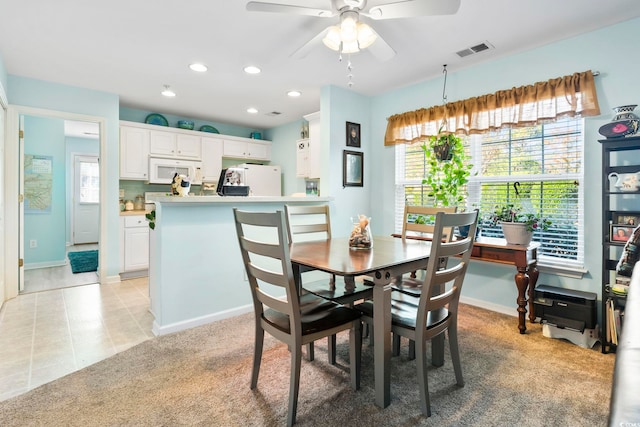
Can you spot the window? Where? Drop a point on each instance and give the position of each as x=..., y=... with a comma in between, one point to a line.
x=89, y=182
x=546, y=161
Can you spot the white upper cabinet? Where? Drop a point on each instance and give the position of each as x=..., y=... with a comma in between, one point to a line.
x=247, y=149
x=302, y=158
x=172, y=144
x=211, y=158
x=134, y=153
x=313, y=163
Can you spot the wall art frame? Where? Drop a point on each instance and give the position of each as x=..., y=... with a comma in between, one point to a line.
x=352, y=169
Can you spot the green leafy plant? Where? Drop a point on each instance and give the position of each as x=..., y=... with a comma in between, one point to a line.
x=151, y=217
x=446, y=175
x=511, y=213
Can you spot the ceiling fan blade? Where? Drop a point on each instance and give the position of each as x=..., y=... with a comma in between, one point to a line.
x=410, y=8
x=381, y=49
x=256, y=6
x=308, y=46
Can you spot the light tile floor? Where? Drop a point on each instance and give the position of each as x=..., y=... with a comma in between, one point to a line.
x=46, y=335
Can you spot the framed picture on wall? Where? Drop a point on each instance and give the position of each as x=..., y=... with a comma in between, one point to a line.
x=352, y=169
x=353, y=135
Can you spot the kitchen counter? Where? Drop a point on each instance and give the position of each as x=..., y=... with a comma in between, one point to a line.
x=196, y=273
x=236, y=199
x=134, y=212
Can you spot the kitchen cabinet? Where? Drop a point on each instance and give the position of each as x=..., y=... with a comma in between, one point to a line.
x=313, y=156
x=134, y=153
x=211, y=158
x=173, y=144
x=302, y=158
x=134, y=243
x=243, y=149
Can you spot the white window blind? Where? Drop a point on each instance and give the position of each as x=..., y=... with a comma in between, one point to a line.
x=547, y=162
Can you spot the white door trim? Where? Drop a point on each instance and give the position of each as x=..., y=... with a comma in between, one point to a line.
x=12, y=186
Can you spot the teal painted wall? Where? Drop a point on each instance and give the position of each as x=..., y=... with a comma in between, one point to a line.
x=63, y=98
x=45, y=137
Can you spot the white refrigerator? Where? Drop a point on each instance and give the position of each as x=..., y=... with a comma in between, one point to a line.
x=263, y=180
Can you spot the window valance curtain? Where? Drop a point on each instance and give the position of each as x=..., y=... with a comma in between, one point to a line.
x=520, y=106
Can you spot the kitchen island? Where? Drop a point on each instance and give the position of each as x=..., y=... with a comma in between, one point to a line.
x=196, y=274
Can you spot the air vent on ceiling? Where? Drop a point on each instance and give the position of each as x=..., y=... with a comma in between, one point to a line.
x=273, y=113
x=474, y=49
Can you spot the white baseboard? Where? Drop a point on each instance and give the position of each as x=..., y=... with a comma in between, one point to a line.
x=48, y=264
x=199, y=321
x=110, y=280
x=509, y=311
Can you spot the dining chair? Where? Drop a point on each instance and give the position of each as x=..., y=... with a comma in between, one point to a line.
x=313, y=222
x=295, y=320
x=435, y=311
x=418, y=222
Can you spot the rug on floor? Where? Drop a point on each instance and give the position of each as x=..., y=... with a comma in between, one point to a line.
x=83, y=261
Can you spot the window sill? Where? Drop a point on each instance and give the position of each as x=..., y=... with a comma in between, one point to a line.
x=575, y=272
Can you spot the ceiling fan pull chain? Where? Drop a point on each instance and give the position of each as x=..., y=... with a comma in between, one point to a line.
x=350, y=72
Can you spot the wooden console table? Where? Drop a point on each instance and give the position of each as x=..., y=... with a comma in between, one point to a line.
x=524, y=258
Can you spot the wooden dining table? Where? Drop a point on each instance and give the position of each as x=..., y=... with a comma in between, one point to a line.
x=388, y=258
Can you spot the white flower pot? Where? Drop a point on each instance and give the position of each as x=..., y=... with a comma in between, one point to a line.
x=516, y=233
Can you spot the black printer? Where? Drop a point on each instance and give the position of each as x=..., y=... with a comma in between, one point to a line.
x=565, y=308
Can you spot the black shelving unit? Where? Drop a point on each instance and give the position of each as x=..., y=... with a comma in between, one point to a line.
x=621, y=212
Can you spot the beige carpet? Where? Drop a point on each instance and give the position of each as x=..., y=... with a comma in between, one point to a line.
x=201, y=377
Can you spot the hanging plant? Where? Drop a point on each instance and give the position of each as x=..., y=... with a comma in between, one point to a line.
x=446, y=177
x=447, y=171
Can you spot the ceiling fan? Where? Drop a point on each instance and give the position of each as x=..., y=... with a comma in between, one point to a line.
x=352, y=35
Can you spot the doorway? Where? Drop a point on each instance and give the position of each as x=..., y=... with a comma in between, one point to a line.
x=15, y=235
x=61, y=188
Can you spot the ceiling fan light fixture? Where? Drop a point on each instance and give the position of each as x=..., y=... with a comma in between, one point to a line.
x=332, y=39
x=349, y=27
x=350, y=47
x=366, y=35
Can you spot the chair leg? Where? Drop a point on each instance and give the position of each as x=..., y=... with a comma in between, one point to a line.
x=310, y=352
x=421, y=364
x=455, y=353
x=331, y=349
x=395, y=345
x=257, y=355
x=294, y=384
x=412, y=349
x=355, y=353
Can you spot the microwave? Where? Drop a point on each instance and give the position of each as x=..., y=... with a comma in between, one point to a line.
x=162, y=171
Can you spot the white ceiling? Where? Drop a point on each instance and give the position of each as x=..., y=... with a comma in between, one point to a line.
x=134, y=48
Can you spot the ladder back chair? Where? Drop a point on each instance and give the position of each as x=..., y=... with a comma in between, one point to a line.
x=294, y=320
x=435, y=311
x=313, y=222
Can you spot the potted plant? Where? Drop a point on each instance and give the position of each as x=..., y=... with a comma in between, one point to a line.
x=518, y=226
x=447, y=170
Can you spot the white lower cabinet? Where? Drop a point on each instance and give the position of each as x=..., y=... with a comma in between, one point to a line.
x=134, y=243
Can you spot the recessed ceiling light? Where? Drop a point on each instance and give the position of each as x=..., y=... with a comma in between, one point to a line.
x=250, y=69
x=252, y=110
x=200, y=68
x=294, y=93
x=168, y=92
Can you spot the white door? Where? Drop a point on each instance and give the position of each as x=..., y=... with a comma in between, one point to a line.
x=86, y=199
